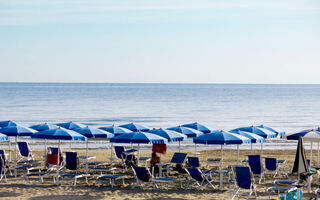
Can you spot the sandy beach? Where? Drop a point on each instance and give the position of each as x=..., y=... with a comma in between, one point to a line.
x=15, y=188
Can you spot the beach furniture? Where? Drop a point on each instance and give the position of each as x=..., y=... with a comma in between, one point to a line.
x=110, y=178
x=71, y=170
x=271, y=165
x=143, y=175
x=244, y=181
x=24, y=150
x=199, y=179
x=256, y=166
x=3, y=168
x=5, y=165
x=283, y=188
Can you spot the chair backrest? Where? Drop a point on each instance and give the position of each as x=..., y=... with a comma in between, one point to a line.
x=255, y=164
x=194, y=161
x=178, y=158
x=71, y=160
x=271, y=164
x=119, y=150
x=52, y=156
x=243, y=177
x=142, y=173
x=2, y=163
x=3, y=157
x=24, y=149
x=195, y=173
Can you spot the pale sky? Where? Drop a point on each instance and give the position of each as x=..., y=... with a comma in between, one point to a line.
x=160, y=41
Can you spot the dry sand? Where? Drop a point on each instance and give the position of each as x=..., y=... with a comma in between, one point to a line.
x=15, y=188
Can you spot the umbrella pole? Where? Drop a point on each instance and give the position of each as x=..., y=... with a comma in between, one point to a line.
x=45, y=153
x=15, y=157
x=138, y=153
x=318, y=153
x=261, y=152
x=311, y=154
x=195, y=149
x=251, y=147
x=9, y=148
x=57, y=181
x=111, y=153
x=86, y=156
x=70, y=144
x=221, y=157
x=179, y=146
x=237, y=154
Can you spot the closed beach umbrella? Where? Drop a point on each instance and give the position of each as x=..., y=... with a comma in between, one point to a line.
x=280, y=133
x=135, y=127
x=116, y=130
x=71, y=125
x=59, y=134
x=43, y=127
x=12, y=123
x=199, y=127
x=189, y=132
x=139, y=138
x=221, y=138
x=170, y=135
x=253, y=137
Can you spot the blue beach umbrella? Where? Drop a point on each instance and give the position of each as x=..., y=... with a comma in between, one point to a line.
x=189, y=132
x=59, y=134
x=170, y=135
x=3, y=137
x=199, y=127
x=253, y=137
x=282, y=133
x=135, y=127
x=116, y=130
x=71, y=125
x=17, y=131
x=221, y=138
x=265, y=133
x=12, y=123
x=43, y=127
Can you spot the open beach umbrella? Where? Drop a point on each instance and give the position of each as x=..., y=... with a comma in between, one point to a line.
x=253, y=137
x=280, y=133
x=199, y=127
x=12, y=123
x=139, y=138
x=43, y=127
x=189, y=132
x=135, y=127
x=221, y=138
x=116, y=130
x=170, y=135
x=59, y=134
x=3, y=137
x=265, y=133
x=71, y=125
x=310, y=135
x=91, y=132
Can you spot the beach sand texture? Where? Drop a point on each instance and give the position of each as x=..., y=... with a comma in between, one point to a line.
x=15, y=188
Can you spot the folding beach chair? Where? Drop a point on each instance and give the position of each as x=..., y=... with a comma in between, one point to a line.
x=200, y=179
x=272, y=165
x=71, y=164
x=25, y=151
x=143, y=175
x=2, y=167
x=194, y=161
x=110, y=178
x=256, y=166
x=52, y=157
x=244, y=180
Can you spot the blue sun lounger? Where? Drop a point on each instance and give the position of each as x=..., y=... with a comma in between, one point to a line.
x=199, y=179
x=244, y=181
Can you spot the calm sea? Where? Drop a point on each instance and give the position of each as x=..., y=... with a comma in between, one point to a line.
x=223, y=106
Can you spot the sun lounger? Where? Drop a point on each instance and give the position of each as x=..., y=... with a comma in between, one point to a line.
x=244, y=181
x=256, y=166
x=199, y=179
x=110, y=178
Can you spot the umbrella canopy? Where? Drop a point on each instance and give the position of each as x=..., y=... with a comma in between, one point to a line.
x=221, y=137
x=265, y=133
x=115, y=130
x=91, y=132
x=170, y=135
x=307, y=135
x=139, y=138
x=300, y=162
x=199, y=127
x=135, y=127
x=17, y=131
x=282, y=133
x=59, y=134
x=71, y=125
x=189, y=132
x=12, y=123
x=253, y=137
x=43, y=127
x=3, y=137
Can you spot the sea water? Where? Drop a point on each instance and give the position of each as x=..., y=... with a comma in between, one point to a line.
x=287, y=108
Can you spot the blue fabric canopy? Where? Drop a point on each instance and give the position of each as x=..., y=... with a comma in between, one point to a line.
x=221, y=137
x=135, y=127
x=115, y=130
x=265, y=133
x=59, y=134
x=71, y=125
x=170, y=135
x=12, y=123
x=3, y=137
x=139, y=138
x=43, y=127
x=253, y=137
x=189, y=132
x=199, y=127
x=307, y=135
x=282, y=133
x=91, y=132
x=17, y=131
